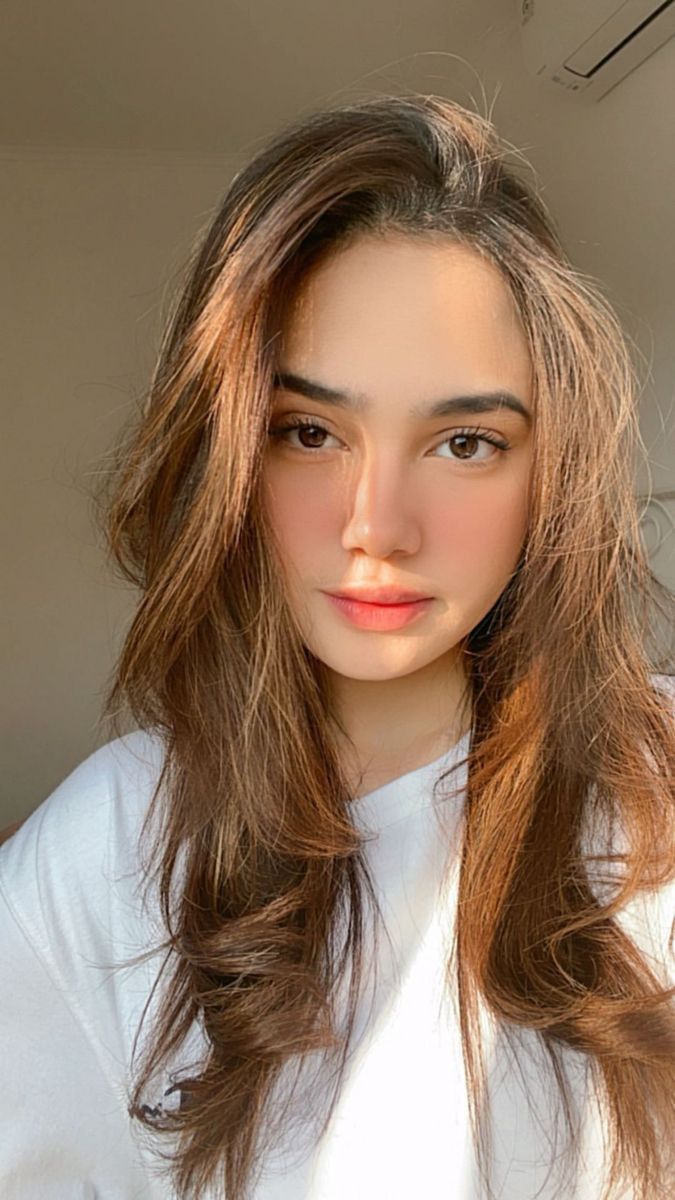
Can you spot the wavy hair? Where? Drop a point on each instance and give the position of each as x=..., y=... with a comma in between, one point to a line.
x=567, y=725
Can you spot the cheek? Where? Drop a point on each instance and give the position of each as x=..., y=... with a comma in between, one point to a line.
x=304, y=512
x=481, y=526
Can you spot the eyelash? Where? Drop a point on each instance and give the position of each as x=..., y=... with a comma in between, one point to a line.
x=277, y=432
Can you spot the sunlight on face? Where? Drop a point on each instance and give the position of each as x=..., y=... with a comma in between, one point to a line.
x=378, y=495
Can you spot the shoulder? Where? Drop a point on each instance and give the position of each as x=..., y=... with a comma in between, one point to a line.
x=649, y=918
x=76, y=854
x=108, y=791
x=71, y=912
x=666, y=685
x=658, y=917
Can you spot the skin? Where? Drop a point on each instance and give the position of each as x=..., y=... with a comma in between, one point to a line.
x=384, y=497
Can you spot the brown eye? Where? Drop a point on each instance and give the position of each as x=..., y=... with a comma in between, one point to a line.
x=308, y=433
x=469, y=440
x=472, y=444
x=311, y=435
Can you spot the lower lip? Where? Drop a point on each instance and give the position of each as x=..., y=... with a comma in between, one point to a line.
x=379, y=616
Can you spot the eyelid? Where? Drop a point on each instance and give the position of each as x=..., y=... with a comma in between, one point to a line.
x=290, y=422
x=325, y=423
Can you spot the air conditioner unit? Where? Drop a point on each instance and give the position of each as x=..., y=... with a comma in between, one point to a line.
x=588, y=46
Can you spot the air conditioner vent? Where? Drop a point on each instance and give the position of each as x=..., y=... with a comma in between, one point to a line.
x=589, y=48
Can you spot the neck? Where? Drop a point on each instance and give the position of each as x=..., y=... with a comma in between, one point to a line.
x=388, y=727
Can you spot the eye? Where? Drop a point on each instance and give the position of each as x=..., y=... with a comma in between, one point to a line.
x=310, y=428
x=315, y=432
x=469, y=437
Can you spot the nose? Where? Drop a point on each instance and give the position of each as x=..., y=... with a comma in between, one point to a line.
x=381, y=511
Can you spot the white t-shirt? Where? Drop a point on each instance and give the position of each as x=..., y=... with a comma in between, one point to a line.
x=70, y=908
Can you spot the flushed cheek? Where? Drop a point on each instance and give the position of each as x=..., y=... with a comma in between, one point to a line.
x=479, y=542
x=481, y=529
x=306, y=515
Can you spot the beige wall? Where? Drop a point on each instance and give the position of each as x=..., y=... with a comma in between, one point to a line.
x=91, y=242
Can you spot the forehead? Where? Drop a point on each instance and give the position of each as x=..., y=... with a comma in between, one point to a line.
x=408, y=308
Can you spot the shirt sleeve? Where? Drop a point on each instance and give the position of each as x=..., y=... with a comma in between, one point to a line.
x=656, y=930
x=65, y=1133
x=67, y=910
x=649, y=918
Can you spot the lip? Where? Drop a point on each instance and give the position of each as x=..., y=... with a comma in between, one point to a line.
x=379, y=617
x=380, y=595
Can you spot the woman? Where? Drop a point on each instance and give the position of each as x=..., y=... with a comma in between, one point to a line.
x=405, y=754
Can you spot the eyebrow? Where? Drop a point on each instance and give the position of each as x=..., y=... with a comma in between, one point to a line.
x=475, y=402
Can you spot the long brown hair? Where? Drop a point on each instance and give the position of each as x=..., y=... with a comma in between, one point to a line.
x=567, y=725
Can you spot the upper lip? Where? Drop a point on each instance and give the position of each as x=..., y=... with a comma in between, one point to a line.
x=379, y=595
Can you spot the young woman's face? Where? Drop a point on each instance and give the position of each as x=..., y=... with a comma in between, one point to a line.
x=383, y=495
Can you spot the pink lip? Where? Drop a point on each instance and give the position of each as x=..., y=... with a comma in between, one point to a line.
x=379, y=616
x=372, y=594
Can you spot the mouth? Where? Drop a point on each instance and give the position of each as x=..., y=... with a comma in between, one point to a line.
x=381, y=596
x=379, y=616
